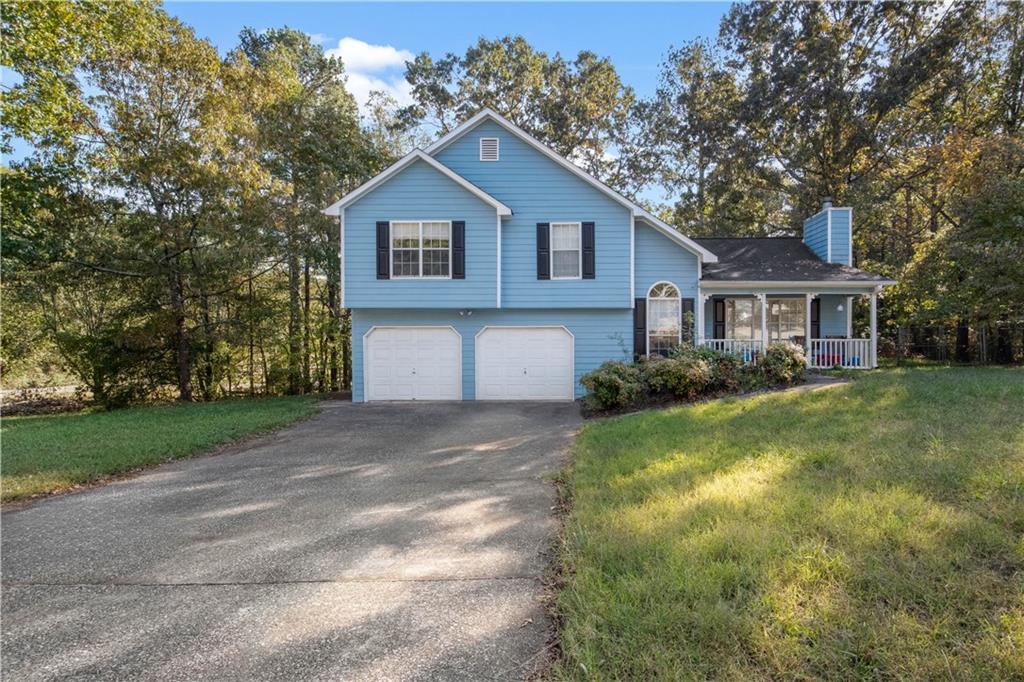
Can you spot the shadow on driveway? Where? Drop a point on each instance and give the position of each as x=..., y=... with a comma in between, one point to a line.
x=399, y=541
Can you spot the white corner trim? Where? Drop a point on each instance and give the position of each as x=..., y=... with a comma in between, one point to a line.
x=485, y=114
x=398, y=166
x=341, y=256
x=828, y=236
x=849, y=226
x=632, y=259
x=498, y=283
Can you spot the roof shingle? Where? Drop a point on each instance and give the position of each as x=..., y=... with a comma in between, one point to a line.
x=774, y=259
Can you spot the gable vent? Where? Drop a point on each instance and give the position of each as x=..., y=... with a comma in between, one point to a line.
x=488, y=149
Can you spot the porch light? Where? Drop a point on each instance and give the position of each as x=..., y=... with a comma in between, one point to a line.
x=839, y=308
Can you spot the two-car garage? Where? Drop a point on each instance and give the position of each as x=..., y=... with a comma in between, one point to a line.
x=507, y=363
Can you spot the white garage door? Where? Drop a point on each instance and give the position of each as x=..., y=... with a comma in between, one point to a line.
x=413, y=363
x=524, y=363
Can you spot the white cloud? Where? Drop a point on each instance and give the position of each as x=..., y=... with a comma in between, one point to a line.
x=374, y=67
x=318, y=38
x=361, y=85
x=362, y=57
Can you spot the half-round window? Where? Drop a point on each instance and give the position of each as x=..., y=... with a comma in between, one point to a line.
x=664, y=318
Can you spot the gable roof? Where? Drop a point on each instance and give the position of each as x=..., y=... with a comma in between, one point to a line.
x=776, y=259
x=638, y=211
x=398, y=166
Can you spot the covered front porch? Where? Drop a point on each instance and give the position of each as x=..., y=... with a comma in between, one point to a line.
x=743, y=320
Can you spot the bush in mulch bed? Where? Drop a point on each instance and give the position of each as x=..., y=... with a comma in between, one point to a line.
x=688, y=374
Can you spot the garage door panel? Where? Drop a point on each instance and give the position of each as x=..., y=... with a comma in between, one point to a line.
x=524, y=363
x=414, y=363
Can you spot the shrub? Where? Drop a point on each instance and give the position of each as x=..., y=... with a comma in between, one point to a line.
x=782, y=363
x=614, y=384
x=726, y=369
x=685, y=377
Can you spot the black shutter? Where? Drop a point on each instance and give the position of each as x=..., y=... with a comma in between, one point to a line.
x=639, y=327
x=543, y=251
x=383, y=249
x=588, y=251
x=815, y=318
x=689, y=320
x=458, y=249
x=719, y=326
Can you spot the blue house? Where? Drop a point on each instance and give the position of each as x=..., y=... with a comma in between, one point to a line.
x=488, y=267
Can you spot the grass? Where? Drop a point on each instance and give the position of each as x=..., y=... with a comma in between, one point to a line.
x=47, y=454
x=872, y=530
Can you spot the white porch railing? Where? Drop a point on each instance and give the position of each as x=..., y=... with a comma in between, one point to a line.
x=748, y=351
x=825, y=353
x=847, y=353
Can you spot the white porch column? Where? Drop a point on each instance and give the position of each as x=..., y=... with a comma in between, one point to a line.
x=849, y=317
x=807, y=325
x=874, y=328
x=763, y=298
x=702, y=300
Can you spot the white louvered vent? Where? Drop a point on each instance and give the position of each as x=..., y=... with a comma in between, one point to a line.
x=488, y=149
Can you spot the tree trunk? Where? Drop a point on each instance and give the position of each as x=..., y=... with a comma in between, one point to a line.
x=346, y=351
x=184, y=360
x=306, y=382
x=332, y=337
x=294, y=311
x=962, y=340
x=252, y=340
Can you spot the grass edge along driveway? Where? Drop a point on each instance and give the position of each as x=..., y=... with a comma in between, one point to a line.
x=871, y=530
x=53, y=453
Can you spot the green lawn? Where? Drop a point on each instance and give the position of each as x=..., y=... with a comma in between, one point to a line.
x=52, y=453
x=873, y=530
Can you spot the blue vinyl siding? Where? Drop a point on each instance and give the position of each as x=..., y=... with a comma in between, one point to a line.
x=833, y=322
x=598, y=335
x=540, y=191
x=420, y=192
x=841, y=218
x=659, y=258
x=816, y=234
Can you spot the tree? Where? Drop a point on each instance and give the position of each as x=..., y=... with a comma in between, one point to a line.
x=311, y=143
x=704, y=159
x=46, y=44
x=579, y=108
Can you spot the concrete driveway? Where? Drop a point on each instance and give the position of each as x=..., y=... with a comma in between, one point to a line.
x=373, y=542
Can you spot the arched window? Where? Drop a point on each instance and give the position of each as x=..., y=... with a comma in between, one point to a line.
x=664, y=318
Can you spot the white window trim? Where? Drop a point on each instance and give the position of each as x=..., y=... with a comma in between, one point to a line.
x=679, y=308
x=497, y=149
x=391, y=250
x=769, y=300
x=579, y=249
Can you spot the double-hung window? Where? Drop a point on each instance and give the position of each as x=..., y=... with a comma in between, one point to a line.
x=786, y=318
x=566, y=250
x=421, y=248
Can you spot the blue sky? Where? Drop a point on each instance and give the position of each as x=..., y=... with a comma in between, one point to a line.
x=375, y=39
x=634, y=36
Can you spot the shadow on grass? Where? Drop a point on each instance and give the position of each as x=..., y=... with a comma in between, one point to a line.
x=871, y=530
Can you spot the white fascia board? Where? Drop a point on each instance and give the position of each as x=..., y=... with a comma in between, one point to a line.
x=676, y=236
x=638, y=210
x=398, y=166
x=875, y=285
